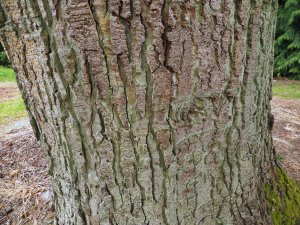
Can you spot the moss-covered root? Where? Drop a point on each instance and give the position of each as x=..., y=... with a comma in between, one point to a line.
x=283, y=199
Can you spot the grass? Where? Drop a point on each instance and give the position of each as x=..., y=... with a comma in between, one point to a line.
x=286, y=89
x=7, y=74
x=12, y=110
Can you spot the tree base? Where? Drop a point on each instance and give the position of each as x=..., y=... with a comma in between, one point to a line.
x=283, y=199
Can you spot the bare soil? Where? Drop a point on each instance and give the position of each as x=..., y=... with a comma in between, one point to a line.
x=286, y=135
x=8, y=90
x=25, y=193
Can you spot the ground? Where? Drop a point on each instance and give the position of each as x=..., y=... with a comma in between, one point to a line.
x=286, y=135
x=25, y=196
x=12, y=107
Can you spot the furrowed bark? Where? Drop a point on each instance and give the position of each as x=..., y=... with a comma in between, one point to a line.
x=152, y=112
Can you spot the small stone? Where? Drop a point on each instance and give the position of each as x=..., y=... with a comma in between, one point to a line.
x=46, y=196
x=14, y=173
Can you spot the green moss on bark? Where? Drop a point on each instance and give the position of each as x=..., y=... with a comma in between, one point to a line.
x=283, y=199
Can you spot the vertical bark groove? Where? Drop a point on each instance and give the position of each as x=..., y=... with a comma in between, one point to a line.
x=152, y=112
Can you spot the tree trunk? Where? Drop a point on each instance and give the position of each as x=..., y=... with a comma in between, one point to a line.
x=152, y=112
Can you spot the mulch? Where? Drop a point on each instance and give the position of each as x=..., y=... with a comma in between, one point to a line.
x=25, y=195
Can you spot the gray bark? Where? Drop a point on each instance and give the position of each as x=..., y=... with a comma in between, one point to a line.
x=152, y=112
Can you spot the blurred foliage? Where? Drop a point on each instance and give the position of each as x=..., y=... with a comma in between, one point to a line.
x=287, y=44
x=4, y=61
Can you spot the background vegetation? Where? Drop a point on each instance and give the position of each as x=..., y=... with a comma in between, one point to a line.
x=286, y=90
x=287, y=44
x=7, y=74
x=3, y=57
x=12, y=110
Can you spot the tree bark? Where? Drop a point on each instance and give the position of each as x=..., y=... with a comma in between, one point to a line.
x=152, y=112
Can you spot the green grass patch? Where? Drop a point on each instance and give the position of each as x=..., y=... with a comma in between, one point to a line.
x=286, y=89
x=7, y=74
x=12, y=110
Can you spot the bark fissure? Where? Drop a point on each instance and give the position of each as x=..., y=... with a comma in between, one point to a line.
x=152, y=112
